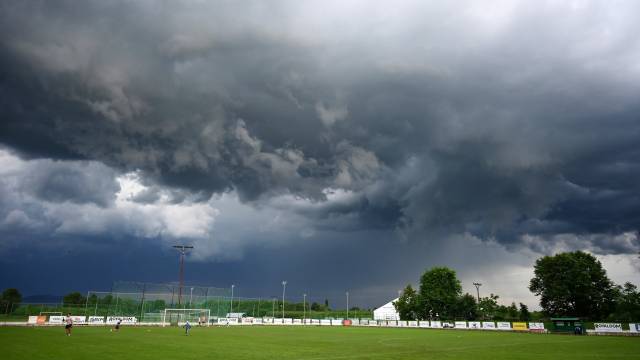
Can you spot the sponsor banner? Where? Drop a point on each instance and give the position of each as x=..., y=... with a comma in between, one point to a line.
x=461, y=324
x=634, y=328
x=436, y=324
x=347, y=322
x=536, y=326
x=474, y=325
x=336, y=322
x=230, y=321
x=278, y=321
x=222, y=321
x=297, y=321
x=373, y=323
x=258, y=321
x=56, y=319
x=424, y=324
x=96, y=319
x=402, y=323
x=488, y=325
x=42, y=319
x=520, y=326
x=79, y=320
x=287, y=321
x=504, y=325
x=247, y=321
x=126, y=320
x=447, y=325
x=315, y=321
x=32, y=320
x=325, y=322
x=608, y=327
x=413, y=324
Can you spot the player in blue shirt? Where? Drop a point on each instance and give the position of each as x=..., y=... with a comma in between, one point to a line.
x=187, y=327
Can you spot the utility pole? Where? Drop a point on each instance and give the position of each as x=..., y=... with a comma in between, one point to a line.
x=284, y=286
x=232, y=286
x=183, y=249
x=477, y=285
x=304, y=308
x=347, y=304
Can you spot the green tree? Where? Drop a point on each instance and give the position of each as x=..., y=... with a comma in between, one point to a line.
x=573, y=284
x=106, y=300
x=10, y=297
x=407, y=304
x=627, y=304
x=73, y=298
x=524, y=313
x=160, y=304
x=93, y=299
x=467, y=307
x=512, y=311
x=439, y=293
x=488, y=306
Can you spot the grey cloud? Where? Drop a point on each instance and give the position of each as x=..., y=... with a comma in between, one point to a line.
x=503, y=120
x=88, y=182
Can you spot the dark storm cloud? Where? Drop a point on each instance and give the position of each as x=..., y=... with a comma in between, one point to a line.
x=503, y=120
x=59, y=182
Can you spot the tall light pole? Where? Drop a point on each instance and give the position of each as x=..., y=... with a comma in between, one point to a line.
x=231, y=311
x=347, y=304
x=284, y=286
x=273, y=311
x=477, y=285
x=190, y=297
x=183, y=249
x=304, y=308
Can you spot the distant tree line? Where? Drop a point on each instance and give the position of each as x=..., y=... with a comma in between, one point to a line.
x=440, y=297
x=569, y=284
x=10, y=297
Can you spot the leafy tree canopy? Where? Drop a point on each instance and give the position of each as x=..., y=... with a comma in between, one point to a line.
x=407, y=304
x=11, y=296
x=573, y=284
x=439, y=293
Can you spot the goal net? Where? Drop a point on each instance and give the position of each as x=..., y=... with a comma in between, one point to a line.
x=180, y=316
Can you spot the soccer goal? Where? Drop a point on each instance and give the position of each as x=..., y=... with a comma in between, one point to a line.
x=180, y=316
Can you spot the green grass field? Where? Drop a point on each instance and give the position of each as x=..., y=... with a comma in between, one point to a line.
x=304, y=343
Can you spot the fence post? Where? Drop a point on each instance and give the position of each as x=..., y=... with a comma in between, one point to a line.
x=86, y=304
x=144, y=287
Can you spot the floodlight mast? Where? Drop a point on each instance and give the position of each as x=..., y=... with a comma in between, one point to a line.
x=477, y=285
x=183, y=249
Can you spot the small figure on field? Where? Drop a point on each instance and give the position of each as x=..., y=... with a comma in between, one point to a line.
x=68, y=324
x=117, y=327
x=187, y=328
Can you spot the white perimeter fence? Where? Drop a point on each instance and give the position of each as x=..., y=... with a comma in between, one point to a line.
x=600, y=328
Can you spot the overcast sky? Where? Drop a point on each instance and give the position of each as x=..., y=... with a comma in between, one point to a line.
x=339, y=145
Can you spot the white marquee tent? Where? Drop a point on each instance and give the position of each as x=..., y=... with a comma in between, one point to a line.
x=386, y=312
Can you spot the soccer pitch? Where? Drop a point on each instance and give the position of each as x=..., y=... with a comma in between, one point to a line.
x=275, y=342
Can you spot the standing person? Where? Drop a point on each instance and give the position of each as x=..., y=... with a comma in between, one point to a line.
x=68, y=324
x=187, y=328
